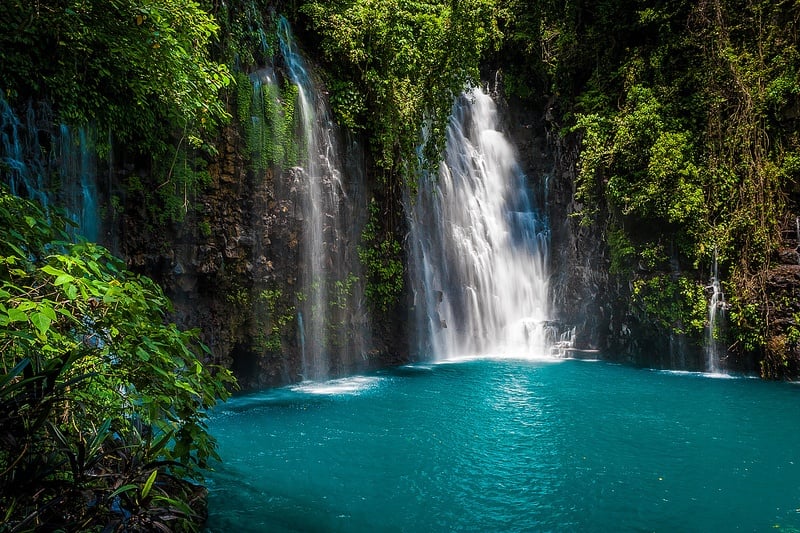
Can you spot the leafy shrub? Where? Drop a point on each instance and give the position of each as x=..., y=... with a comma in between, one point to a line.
x=102, y=403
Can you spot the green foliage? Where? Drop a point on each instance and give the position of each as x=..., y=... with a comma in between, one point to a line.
x=99, y=396
x=525, y=51
x=127, y=66
x=397, y=65
x=348, y=104
x=342, y=291
x=279, y=315
x=622, y=252
x=267, y=116
x=205, y=228
x=381, y=257
x=246, y=39
x=139, y=71
x=643, y=169
x=184, y=180
x=775, y=364
x=686, y=116
x=677, y=304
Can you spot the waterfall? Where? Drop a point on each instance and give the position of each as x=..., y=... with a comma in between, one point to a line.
x=32, y=156
x=716, y=308
x=77, y=167
x=479, y=244
x=797, y=230
x=334, y=330
x=301, y=333
x=23, y=167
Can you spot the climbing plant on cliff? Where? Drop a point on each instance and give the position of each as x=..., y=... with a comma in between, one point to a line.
x=140, y=69
x=380, y=255
x=396, y=66
x=102, y=403
x=686, y=114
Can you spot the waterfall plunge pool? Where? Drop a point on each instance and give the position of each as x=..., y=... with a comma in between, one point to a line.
x=510, y=445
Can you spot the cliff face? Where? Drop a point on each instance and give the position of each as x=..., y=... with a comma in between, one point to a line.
x=244, y=243
x=241, y=239
x=591, y=304
x=234, y=266
x=599, y=307
x=586, y=299
x=781, y=357
x=234, y=269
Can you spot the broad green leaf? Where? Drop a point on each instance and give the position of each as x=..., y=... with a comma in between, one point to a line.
x=72, y=291
x=47, y=269
x=111, y=295
x=26, y=305
x=41, y=321
x=142, y=353
x=124, y=488
x=62, y=279
x=48, y=311
x=15, y=315
x=157, y=446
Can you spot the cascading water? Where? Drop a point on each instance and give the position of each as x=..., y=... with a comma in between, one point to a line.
x=78, y=169
x=330, y=285
x=716, y=310
x=29, y=164
x=23, y=167
x=480, y=245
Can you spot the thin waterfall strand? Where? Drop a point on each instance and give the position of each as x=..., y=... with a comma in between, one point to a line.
x=716, y=310
x=330, y=334
x=69, y=153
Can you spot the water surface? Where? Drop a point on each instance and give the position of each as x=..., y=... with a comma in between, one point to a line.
x=511, y=445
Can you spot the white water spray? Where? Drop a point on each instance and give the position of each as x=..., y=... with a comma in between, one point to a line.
x=480, y=245
x=333, y=328
x=78, y=169
x=28, y=167
x=716, y=309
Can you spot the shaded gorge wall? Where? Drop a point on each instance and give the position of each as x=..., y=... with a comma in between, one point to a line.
x=267, y=262
x=256, y=243
x=289, y=244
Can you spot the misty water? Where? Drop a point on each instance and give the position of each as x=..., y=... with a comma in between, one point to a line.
x=510, y=445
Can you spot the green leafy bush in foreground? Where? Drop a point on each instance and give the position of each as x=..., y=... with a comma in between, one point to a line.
x=102, y=404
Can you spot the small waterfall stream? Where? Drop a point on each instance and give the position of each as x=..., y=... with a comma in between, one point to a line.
x=78, y=169
x=480, y=245
x=55, y=168
x=334, y=326
x=24, y=172
x=716, y=310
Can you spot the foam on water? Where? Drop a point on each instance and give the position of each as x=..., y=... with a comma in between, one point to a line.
x=512, y=355
x=708, y=375
x=349, y=385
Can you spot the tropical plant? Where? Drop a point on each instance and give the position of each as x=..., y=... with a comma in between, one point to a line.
x=102, y=403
